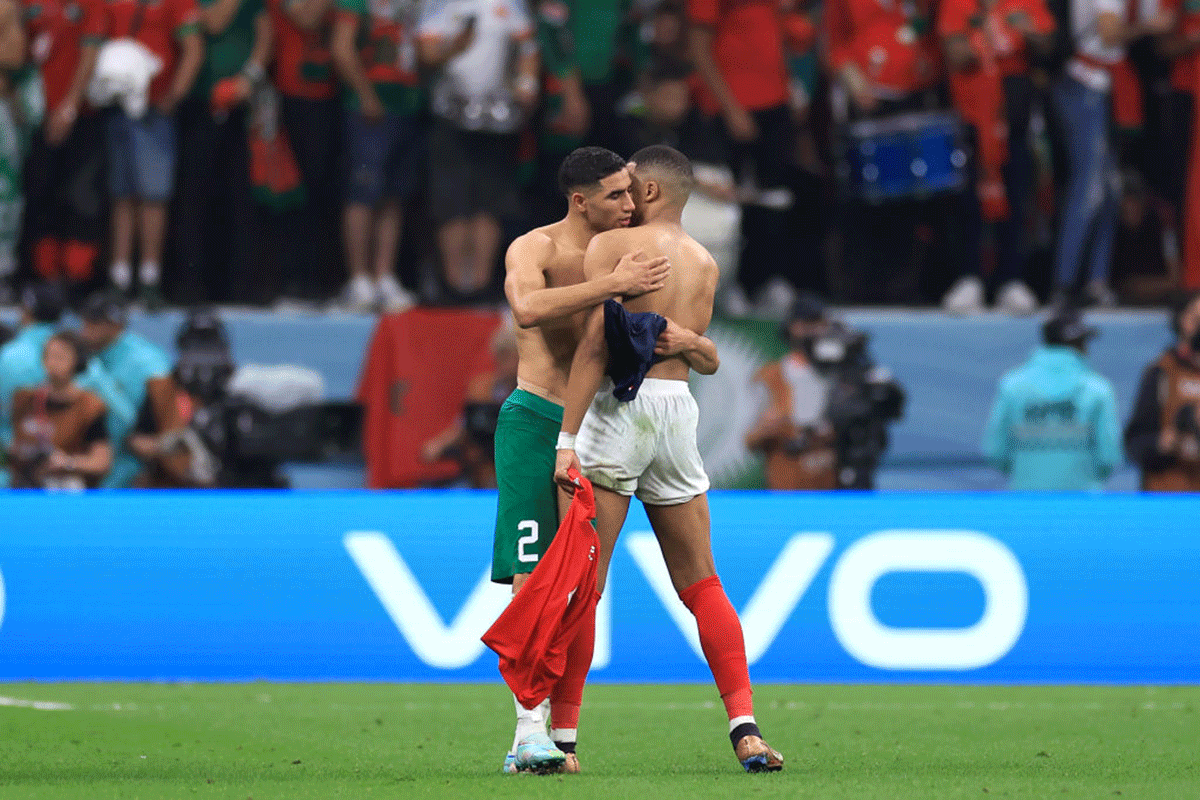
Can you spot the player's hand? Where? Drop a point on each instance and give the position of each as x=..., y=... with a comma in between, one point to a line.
x=675, y=339
x=635, y=274
x=564, y=462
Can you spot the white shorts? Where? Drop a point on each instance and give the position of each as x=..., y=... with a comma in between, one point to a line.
x=646, y=447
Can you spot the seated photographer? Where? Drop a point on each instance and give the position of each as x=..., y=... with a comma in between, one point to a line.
x=825, y=426
x=471, y=438
x=792, y=432
x=1163, y=433
x=60, y=439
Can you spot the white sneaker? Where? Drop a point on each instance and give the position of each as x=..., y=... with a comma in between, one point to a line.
x=1017, y=299
x=1097, y=293
x=965, y=297
x=776, y=298
x=394, y=296
x=360, y=294
x=734, y=303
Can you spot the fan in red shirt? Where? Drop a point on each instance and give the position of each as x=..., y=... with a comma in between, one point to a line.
x=63, y=171
x=740, y=50
x=987, y=46
x=311, y=115
x=881, y=51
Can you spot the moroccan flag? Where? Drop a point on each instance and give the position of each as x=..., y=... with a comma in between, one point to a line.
x=533, y=634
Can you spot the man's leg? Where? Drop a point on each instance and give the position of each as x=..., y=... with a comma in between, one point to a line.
x=683, y=535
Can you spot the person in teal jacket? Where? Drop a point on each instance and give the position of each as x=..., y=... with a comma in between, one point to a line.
x=138, y=366
x=1054, y=424
x=42, y=308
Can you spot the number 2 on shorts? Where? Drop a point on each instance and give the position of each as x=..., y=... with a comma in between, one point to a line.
x=531, y=526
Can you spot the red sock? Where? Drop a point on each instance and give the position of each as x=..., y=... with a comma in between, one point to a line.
x=567, y=694
x=721, y=640
x=45, y=258
x=79, y=258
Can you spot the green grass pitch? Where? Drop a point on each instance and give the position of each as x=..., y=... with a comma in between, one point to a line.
x=87, y=741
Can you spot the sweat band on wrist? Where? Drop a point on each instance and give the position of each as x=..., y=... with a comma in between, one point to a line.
x=566, y=441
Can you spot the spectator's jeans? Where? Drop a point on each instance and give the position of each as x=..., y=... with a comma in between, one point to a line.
x=1089, y=209
x=141, y=156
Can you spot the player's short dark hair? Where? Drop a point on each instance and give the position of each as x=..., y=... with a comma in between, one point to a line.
x=585, y=167
x=673, y=166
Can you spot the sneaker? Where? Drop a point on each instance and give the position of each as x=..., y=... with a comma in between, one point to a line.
x=965, y=297
x=776, y=298
x=537, y=753
x=360, y=295
x=510, y=765
x=1097, y=293
x=1017, y=299
x=394, y=296
x=758, y=756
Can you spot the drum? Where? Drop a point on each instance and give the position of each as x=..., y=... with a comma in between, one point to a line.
x=907, y=156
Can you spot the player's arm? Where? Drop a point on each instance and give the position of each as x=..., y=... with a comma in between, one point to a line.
x=587, y=375
x=12, y=36
x=534, y=303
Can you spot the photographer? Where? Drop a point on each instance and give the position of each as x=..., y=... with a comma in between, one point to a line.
x=825, y=425
x=1163, y=433
x=471, y=438
x=60, y=440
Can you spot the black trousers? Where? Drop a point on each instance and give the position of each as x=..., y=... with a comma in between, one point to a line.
x=312, y=260
x=215, y=220
x=65, y=192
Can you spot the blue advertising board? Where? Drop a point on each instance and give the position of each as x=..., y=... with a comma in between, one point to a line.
x=394, y=586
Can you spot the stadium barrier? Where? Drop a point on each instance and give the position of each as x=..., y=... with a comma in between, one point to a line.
x=394, y=586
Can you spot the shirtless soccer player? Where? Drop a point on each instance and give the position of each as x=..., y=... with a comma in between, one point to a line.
x=549, y=297
x=660, y=463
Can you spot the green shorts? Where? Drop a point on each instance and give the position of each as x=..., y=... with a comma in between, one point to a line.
x=527, y=509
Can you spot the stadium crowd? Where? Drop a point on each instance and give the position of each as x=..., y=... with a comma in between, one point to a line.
x=909, y=152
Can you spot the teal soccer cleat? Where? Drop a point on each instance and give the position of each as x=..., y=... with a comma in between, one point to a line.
x=536, y=753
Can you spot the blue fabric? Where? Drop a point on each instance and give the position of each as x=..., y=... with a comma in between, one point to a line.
x=631, y=339
x=141, y=156
x=131, y=360
x=1090, y=209
x=1054, y=424
x=21, y=367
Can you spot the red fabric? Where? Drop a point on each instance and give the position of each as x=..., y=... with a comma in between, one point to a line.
x=1008, y=44
x=45, y=258
x=390, y=36
x=534, y=635
x=872, y=35
x=567, y=695
x=57, y=30
x=412, y=388
x=78, y=259
x=301, y=56
x=1183, y=70
x=978, y=94
x=1127, y=105
x=748, y=48
x=161, y=24
x=722, y=643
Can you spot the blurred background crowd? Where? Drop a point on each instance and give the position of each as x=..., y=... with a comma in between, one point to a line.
x=378, y=156
x=379, y=152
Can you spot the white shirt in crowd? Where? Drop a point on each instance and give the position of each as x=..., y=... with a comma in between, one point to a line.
x=473, y=90
x=1084, y=14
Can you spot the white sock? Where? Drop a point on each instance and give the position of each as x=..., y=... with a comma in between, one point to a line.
x=564, y=734
x=733, y=723
x=149, y=273
x=529, y=721
x=121, y=274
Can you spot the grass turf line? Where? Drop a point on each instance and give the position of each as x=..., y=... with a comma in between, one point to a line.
x=300, y=741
